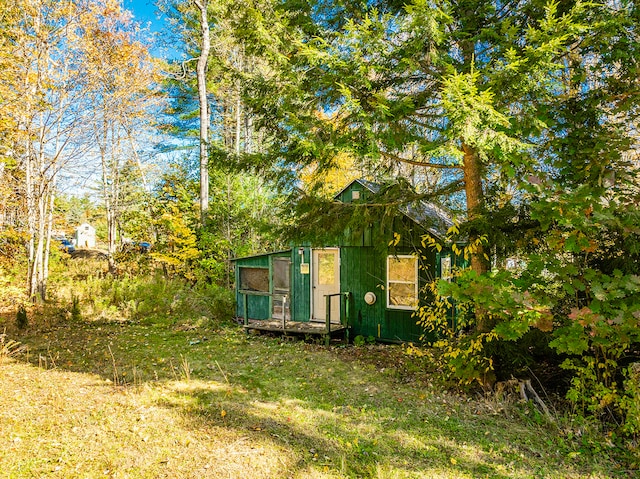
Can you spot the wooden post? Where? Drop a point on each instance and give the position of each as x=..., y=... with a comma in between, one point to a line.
x=284, y=313
x=245, y=306
x=328, y=313
x=327, y=337
x=347, y=314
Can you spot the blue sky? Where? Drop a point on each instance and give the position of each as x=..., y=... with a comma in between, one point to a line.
x=146, y=13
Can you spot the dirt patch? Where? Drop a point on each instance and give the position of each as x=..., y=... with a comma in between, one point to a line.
x=89, y=254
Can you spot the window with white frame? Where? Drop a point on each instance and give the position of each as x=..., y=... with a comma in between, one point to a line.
x=445, y=268
x=402, y=282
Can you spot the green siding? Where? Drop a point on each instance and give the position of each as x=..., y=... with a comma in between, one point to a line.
x=362, y=269
x=300, y=285
x=259, y=306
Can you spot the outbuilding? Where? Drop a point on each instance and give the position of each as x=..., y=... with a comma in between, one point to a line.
x=85, y=236
x=368, y=282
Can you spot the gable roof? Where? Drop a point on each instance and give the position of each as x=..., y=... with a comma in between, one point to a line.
x=85, y=227
x=422, y=212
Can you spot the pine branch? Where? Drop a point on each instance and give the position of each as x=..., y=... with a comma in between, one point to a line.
x=426, y=164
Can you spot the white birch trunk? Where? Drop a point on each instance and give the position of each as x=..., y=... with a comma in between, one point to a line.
x=201, y=71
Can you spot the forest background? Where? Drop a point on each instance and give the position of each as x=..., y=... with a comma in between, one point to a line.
x=518, y=117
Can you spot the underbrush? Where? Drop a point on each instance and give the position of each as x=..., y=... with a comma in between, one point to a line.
x=81, y=288
x=365, y=411
x=151, y=298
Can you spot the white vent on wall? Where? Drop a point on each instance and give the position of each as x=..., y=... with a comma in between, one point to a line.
x=370, y=298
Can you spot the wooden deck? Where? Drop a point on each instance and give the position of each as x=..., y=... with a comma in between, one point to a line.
x=296, y=328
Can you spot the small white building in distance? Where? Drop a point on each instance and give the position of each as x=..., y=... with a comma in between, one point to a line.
x=85, y=236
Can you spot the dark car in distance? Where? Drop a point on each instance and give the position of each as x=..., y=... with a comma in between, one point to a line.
x=67, y=245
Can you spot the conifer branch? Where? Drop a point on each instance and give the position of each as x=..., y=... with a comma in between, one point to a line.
x=427, y=164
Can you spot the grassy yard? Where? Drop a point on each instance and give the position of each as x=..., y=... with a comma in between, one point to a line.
x=151, y=400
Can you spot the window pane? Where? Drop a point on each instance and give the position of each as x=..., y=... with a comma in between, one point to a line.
x=254, y=279
x=445, y=267
x=402, y=294
x=281, y=274
x=326, y=268
x=402, y=269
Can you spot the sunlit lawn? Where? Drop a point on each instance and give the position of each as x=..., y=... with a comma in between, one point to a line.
x=94, y=400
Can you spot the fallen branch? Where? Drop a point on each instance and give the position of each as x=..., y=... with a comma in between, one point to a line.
x=525, y=386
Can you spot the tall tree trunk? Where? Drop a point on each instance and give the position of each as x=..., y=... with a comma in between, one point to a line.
x=31, y=223
x=201, y=71
x=49, y=231
x=248, y=133
x=472, y=170
x=228, y=234
x=238, y=115
x=109, y=162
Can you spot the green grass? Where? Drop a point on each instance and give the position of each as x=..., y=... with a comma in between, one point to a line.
x=161, y=399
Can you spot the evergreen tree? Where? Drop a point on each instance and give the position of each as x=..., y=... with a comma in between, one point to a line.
x=528, y=110
x=450, y=86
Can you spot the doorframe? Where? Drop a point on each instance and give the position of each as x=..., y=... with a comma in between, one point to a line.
x=273, y=289
x=313, y=278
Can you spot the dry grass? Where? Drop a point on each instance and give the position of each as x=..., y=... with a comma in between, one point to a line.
x=9, y=347
x=60, y=424
x=103, y=400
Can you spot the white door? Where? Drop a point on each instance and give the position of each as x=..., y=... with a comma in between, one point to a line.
x=326, y=280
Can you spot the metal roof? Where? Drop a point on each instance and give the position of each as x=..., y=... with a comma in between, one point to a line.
x=257, y=255
x=426, y=214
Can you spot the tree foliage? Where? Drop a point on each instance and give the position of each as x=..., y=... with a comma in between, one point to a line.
x=122, y=85
x=241, y=203
x=69, y=64
x=528, y=112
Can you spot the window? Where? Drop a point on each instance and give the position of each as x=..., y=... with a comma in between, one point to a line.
x=445, y=268
x=281, y=268
x=326, y=267
x=254, y=279
x=402, y=282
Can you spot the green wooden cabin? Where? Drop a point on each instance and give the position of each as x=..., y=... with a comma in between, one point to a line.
x=368, y=280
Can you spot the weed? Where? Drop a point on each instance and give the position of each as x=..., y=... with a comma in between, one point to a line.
x=359, y=341
x=22, y=321
x=76, y=314
x=9, y=348
x=362, y=340
x=185, y=368
x=116, y=376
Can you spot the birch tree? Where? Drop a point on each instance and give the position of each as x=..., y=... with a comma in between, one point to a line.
x=49, y=118
x=201, y=69
x=122, y=80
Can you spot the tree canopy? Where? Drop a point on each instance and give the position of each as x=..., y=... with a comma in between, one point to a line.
x=522, y=116
x=518, y=116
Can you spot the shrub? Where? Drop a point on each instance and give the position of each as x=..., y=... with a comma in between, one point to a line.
x=22, y=321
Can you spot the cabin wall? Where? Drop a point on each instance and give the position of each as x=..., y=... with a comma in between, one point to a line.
x=363, y=269
x=301, y=284
x=363, y=264
x=259, y=305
